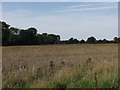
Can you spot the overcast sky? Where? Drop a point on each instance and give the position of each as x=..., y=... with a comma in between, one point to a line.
x=67, y=19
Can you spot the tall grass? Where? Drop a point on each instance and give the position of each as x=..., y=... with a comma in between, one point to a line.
x=60, y=66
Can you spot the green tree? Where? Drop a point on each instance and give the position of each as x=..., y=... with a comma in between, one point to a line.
x=28, y=37
x=82, y=41
x=73, y=41
x=52, y=39
x=91, y=40
x=70, y=41
x=5, y=33
x=119, y=40
x=99, y=41
x=105, y=41
x=48, y=38
x=115, y=39
x=14, y=35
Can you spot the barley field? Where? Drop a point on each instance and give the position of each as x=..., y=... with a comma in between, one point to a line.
x=60, y=66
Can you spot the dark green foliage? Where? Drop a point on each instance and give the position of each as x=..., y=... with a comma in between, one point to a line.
x=5, y=34
x=51, y=64
x=99, y=41
x=48, y=38
x=28, y=37
x=14, y=36
x=91, y=40
x=115, y=39
x=62, y=62
x=73, y=41
x=105, y=41
x=82, y=41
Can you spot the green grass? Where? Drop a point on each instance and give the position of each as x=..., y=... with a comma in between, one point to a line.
x=85, y=82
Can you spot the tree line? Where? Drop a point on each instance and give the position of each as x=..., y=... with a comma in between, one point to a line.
x=14, y=36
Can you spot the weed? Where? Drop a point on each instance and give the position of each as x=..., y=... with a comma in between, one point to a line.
x=62, y=63
x=96, y=81
x=51, y=67
x=51, y=64
x=16, y=84
x=88, y=61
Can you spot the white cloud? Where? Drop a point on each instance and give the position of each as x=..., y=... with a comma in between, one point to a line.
x=76, y=6
x=73, y=9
